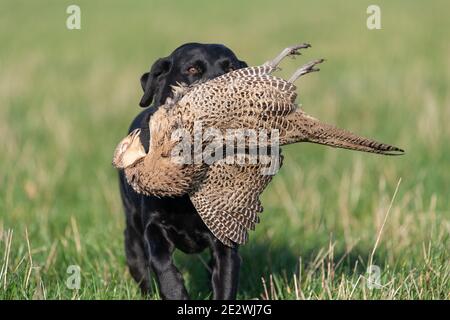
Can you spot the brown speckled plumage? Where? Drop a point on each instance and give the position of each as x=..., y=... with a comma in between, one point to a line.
x=228, y=200
x=226, y=196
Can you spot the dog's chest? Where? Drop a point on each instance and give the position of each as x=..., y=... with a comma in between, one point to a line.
x=185, y=229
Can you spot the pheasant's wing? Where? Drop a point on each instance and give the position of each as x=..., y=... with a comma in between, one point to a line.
x=228, y=199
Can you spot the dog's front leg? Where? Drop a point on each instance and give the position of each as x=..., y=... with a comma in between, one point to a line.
x=160, y=250
x=225, y=263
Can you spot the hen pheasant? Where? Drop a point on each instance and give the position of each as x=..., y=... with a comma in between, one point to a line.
x=226, y=193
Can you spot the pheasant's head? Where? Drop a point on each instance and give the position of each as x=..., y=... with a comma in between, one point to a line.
x=128, y=151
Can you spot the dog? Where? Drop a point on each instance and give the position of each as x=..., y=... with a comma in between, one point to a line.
x=155, y=227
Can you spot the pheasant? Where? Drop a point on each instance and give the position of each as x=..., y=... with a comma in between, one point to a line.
x=225, y=193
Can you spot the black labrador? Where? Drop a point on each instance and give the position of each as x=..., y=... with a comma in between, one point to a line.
x=155, y=227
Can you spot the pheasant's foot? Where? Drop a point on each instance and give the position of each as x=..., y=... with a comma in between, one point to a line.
x=289, y=51
x=307, y=68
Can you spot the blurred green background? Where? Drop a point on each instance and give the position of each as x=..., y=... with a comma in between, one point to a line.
x=68, y=96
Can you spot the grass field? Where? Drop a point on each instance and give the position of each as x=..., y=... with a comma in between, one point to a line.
x=67, y=97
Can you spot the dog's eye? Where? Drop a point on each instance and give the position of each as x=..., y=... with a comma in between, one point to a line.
x=193, y=70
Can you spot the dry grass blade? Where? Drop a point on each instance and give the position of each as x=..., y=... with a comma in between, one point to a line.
x=30, y=259
x=384, y=222
x=4, y=272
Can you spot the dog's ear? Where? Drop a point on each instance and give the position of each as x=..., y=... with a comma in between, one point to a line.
x=144, y=79
x=242, y=64
x=152, y=82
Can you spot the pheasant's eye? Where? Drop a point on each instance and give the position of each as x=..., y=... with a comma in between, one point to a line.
x=193, y=70
x=124, y=147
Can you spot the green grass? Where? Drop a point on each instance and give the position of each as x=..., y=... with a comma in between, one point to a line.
x=67, y=97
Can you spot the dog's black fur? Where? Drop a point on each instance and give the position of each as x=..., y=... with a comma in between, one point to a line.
x=155, y=227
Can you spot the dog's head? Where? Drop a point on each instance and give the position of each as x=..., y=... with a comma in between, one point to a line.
x=189, y=63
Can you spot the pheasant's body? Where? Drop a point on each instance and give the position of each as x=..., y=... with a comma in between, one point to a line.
x=226, y=194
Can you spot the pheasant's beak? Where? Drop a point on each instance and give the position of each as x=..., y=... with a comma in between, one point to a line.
x=128, y=151
x=134, y=134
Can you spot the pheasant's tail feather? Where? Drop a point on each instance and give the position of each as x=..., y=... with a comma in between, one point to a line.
x=314, y=131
